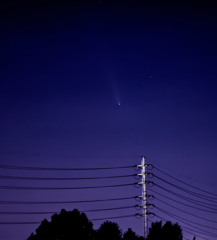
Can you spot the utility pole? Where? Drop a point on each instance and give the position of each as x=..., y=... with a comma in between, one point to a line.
x=144, y=194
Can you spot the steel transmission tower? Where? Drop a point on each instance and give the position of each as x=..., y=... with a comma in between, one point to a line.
x=144, y=195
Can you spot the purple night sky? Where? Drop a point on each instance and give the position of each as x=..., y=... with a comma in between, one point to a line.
x=99, y=84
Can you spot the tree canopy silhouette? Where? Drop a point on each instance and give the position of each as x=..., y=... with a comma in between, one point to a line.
x=74, y=225
x=66, y=225
x=131, y=235
x=109, y=230
x=167, y=231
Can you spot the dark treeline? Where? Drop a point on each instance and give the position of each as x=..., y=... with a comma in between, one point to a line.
x=74, y=225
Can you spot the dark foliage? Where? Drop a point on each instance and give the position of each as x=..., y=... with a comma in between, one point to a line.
x=131, y=235
x=167, y=231
x=66, y=225
x=109, y=230
x=74, y=225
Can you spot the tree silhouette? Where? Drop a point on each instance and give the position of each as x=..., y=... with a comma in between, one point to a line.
x=131, y=235
x=109, y=230
x=167, y=231
x=66, y=225
x=74, y=225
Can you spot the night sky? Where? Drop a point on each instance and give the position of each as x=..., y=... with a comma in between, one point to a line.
x=99, y=84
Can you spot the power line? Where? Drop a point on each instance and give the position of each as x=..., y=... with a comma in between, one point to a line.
x=46, y=178
x=188, y=199
x=89, y=210
x=205, y=203
x=187, y=191
x=69, y=156
x=164, y=211
x=183, y=174
x=186, y=228
x=96, y=219
x=184, y=182
x=63, y=188
x=202, y=231
x=210, y=235
x=60, y=169
x=65, y=202
x=181, y=202
x=154, y=222
x=18, y=223
x=202, y=204
x=186, y=212
x=123, y=216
